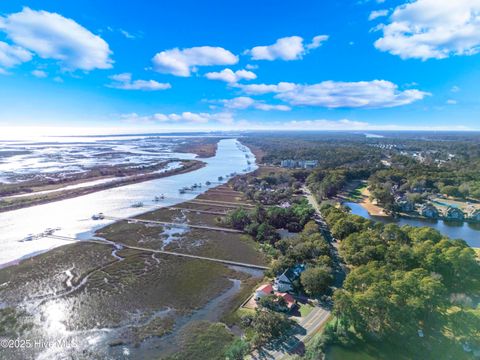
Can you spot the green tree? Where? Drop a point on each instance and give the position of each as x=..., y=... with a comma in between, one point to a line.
x=269, y=325
x=272, y=302
x=237, y=350
x=316, y=280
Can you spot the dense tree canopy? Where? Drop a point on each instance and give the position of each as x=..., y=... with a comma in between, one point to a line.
x=401, y=278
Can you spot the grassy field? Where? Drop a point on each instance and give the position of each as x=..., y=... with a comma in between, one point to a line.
x=204, y=341
x=134, y=289
x=356, y=194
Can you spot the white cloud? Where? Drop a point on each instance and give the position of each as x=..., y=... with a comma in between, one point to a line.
x=39, y=73
x=324, y=124
x=452, y=102
x=317, y=41
x=182, y=62
x=124, y=81
x=230, y=76
x=184, y=117
x=332, y=94
x=455, y=89
x=426, y=29
x=287, y=48
x=241, y=102
x=244, y=102
x=269, y=107
x=52, y=36
x=251, y=67
x=259, y=89
x=127, y=34
x=11, y=55
x=377, y=14
x=362, y=94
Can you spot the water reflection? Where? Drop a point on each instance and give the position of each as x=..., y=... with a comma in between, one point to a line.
x=455, y=230
x=73, y=216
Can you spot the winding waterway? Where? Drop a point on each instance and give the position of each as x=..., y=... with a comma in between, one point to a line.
x=73, y=216
x=466, y=231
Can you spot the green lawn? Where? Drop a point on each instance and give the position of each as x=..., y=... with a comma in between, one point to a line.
x=356, y=194
x=305, y=309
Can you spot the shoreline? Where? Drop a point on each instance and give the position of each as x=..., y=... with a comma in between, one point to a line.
x=373, y=209
x=217, y=298
x=187, y=166
x=183, y=173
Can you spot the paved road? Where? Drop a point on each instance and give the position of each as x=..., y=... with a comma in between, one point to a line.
x=311, y=324
x=318, y=316
x=340, y=269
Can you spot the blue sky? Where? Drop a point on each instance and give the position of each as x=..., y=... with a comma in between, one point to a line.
x=197, y=65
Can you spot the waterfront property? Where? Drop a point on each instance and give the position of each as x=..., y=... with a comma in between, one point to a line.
x=474, y=215
x=453, y=213
x=285, y=281
x=404, y=204
x=263, y=290
x=286, y=301
x=429, y=211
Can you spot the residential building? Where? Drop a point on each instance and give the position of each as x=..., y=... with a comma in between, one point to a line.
x=405, y=205
x=305, y=164
x=429, y=211
x=453, y=213
x=474, y=215
x=289, y=300
x=284, y=282
x=264, y=290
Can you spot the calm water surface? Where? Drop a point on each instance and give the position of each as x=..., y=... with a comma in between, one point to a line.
x=73, y=216
x=466, y=231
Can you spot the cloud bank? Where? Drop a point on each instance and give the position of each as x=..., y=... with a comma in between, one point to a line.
x=182, y=62
x=432, y=29
x=52, y=36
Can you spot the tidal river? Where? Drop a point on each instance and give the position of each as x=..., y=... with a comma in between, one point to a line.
x=73, y=216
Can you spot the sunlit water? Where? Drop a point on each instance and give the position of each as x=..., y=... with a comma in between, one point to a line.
x=42, y=158
x=73, y=216
x=466, y=231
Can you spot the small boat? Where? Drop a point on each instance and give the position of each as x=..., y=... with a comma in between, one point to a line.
x=137, y=204
x=182, y=191
x=48, y=231
x=208, y=183
x=29, y=237
x=98, y=216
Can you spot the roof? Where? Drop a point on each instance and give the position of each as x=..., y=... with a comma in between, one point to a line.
x=289, y=299
x=266, y=288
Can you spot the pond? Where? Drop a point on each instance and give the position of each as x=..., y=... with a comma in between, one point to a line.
x=463, y=230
